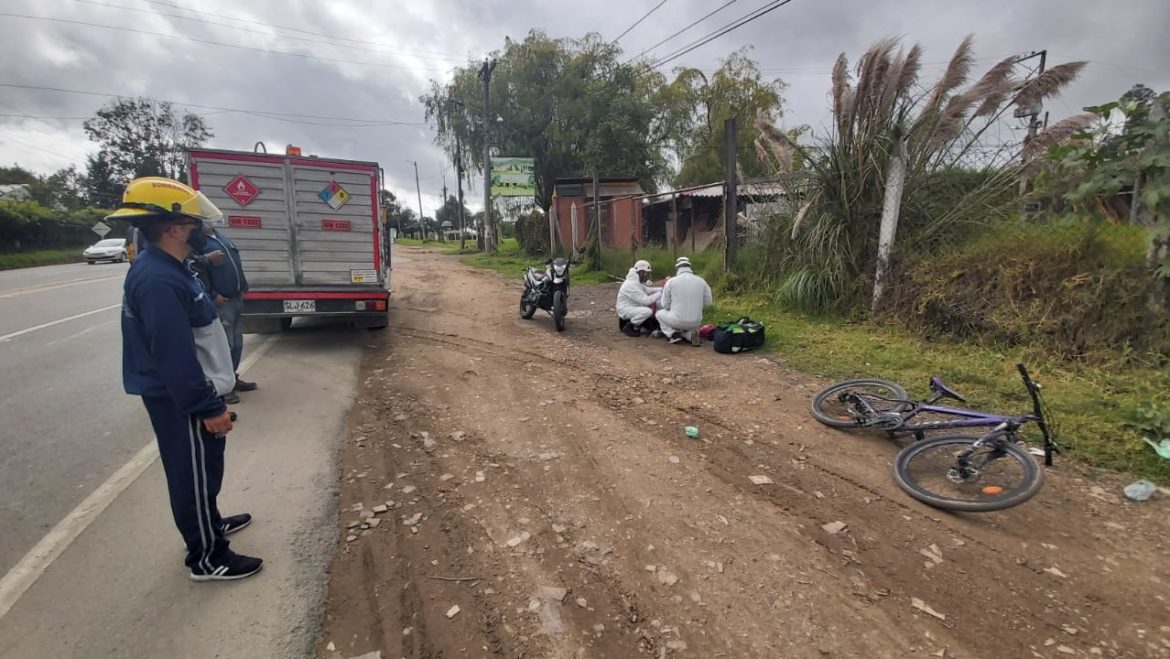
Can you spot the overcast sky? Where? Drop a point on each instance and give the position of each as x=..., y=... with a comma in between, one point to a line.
x=393, y=47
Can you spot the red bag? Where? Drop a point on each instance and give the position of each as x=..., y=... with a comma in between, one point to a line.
x=707, y=331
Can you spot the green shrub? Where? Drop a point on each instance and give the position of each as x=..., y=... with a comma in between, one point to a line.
x=1073, y=289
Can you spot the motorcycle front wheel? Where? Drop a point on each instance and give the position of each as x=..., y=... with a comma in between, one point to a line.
x=527, y=308
x=560, y=308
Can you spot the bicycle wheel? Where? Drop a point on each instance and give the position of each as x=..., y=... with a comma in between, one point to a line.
x=999, y=474
x=829, y=409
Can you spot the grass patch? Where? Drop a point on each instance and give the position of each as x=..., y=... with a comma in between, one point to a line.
x=43, y=257
x=511, y=262
x=1092, y=406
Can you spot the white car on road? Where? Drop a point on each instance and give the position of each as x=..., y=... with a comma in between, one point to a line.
x=110, y=249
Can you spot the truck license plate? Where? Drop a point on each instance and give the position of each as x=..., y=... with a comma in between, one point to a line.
x=300, y=306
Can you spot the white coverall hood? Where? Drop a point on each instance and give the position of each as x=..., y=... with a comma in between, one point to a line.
x=634, y=298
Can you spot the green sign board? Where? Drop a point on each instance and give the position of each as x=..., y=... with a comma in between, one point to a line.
x=513, y=177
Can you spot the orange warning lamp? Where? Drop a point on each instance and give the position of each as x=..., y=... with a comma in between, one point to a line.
x=291, y=150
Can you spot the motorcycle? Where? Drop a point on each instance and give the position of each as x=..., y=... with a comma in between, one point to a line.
x=548, y=290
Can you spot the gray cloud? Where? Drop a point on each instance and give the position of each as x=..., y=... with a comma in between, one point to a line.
x=411, y=42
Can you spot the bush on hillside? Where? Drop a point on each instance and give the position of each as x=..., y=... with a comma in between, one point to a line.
x=1076, y=290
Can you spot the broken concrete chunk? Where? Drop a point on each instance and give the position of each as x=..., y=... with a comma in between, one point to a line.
x=676, y=645
x=408, y=489
x=366, y=514
x=373, y=523
x=925, y=608
x=760, y=480
x=552, y=593
x=453, y=611
x=833, y=528
x=380, y=508
x=582, y=602
x=413, y=519
x=666, y=577
x=458, y=435
x=1055, y=572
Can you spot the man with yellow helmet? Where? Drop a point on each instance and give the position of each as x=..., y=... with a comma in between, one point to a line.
x=175, y=356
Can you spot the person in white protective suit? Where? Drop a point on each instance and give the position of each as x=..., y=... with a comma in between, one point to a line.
x=635, y=300
x=680, y=312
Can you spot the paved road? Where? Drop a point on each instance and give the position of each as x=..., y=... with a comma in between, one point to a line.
x=120, y=589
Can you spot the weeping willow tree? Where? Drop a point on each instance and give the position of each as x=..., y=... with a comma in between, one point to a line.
x=958, y=168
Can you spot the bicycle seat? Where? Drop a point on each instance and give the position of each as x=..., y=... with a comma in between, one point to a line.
x=941, y=387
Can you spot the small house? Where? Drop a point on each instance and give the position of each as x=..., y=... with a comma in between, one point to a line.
x=620, y=215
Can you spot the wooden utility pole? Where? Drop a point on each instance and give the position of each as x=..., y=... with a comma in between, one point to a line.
x=418, y=189
x=597, y=205
x=730, y=195
x=441, y=235
x=1034, y=122
x=459, y=187
x=489, y=240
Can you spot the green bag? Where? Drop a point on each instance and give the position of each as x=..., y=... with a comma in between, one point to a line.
x=738, y=336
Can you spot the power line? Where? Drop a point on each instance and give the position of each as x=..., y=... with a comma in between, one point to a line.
x=705, y=17
x=285, y=27
x=205, y=41
x=639, y=21
x=262, y=113
x=41, y=117
x=406, y=53
x=557, y=85
x=765, y=9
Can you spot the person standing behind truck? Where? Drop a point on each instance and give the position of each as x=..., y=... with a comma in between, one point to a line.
x=222, y=273
x=175, y=356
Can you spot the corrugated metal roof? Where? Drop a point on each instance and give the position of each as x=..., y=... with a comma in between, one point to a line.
x=757, y=189
x=762, y=189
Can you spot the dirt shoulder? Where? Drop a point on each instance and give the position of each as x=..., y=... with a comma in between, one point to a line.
x=542, y=483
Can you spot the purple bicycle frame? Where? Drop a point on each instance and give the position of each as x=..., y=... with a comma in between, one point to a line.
x=970, y=419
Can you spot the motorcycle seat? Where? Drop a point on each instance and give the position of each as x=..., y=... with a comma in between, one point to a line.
x=538, y=275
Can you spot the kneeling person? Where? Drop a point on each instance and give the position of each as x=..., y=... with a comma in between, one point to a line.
x=683, y=299
x=635, y=301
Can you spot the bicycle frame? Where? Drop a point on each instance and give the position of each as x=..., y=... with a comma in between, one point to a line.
x=1002, y=424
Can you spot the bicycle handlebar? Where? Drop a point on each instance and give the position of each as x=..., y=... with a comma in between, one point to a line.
x=1032, y=388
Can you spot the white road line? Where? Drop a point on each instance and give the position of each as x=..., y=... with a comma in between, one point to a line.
x=61, y=284
x=8, y=337
x=82, y=332
x=32, y=565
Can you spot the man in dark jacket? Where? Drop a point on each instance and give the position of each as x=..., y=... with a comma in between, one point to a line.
x=175, y=356
x=222, y=274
